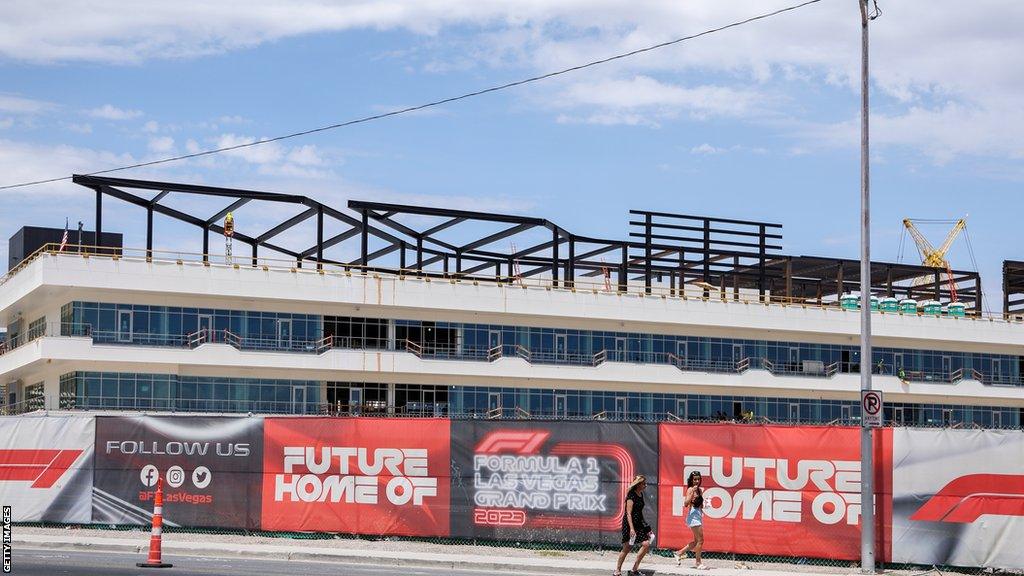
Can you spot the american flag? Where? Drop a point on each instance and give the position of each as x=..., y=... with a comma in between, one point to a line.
x=64, y=239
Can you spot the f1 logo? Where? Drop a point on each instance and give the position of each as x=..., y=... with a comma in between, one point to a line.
x=970, y=497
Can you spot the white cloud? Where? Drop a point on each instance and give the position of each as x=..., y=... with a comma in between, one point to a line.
x=110, y=112
x=707, y=150
x=275, y=159
x=24, y=162
x=306, y=156
x=18, y=105
x=6, y=123
x=942, y=133
x=927, y=53
x=151, y=126
x=642, y=100
x=84, y=128
x=161, y=144
x=608, y=118
x=645, y=92
x=268, y=153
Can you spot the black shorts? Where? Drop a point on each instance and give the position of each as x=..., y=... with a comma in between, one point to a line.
x=642, y=534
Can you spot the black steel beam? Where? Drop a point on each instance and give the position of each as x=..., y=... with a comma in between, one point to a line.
x=156, y=199
x=704, y=218
x=99, y=215
x=320, y=237
x=231, y=208
x=293, y=221
x=391, y=223
x=442, y=226
x=495, y=237
x=93, y=181
x=701, y=229
x=374, y=255
x=360, y=205
x=701, y=241
x=352, y=221
x=142, y=202
x=332, y=241
x=149, y=231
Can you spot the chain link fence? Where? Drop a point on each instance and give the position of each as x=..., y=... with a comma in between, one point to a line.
x=511, y=548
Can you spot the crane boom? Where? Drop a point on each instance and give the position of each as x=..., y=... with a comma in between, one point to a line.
x=923, y=245
x=960, y=225
x=930, y=256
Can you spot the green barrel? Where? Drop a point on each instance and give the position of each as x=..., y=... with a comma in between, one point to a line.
x=908, y=306
x=889, y=304
x=957, y=309
x=874, y=303
x=931, y=308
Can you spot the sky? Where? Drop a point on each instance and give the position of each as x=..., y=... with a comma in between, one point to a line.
x=757, y=122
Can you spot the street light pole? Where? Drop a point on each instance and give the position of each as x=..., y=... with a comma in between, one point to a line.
x=867, y=534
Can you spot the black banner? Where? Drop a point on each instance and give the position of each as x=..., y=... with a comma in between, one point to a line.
x=211, y=467
x=549, y=481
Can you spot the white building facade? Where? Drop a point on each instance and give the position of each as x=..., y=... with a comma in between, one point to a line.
x=121, y=332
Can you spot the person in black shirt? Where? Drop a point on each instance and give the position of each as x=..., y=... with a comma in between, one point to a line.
x=635, y=529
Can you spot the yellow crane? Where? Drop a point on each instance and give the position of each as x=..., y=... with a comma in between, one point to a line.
x=934, y=257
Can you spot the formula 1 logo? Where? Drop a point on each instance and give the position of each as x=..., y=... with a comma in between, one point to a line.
x=43, y=468
x=970, y=497
x=512, y=477
x=510, y=441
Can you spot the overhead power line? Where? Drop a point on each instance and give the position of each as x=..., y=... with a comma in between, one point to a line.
x=432, y=104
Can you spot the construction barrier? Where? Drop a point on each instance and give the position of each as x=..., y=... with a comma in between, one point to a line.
x=156, y=534
x=945, y=497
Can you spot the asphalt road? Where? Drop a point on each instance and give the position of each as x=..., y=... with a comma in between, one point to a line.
x=74, y=563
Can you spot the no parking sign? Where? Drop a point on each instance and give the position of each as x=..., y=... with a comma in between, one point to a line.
x=871, y=407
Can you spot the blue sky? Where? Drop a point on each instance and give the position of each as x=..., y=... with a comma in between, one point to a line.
x=758, y=122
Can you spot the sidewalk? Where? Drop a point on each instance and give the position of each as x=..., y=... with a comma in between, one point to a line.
x=390, y=553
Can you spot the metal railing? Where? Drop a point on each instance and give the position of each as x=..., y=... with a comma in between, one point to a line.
x=380, y=409
x=685, y=292
x=432, y=351
x=26, y=406
x=811, y=369
x=930, y=376
x=188, y=405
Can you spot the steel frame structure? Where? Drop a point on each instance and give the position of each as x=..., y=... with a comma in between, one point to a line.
x=1013, y=288
x=717, y=255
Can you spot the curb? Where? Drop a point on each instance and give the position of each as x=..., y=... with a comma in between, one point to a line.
x=478, y=563
x=172, y=550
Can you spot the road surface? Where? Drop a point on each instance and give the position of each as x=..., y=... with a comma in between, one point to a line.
x=74, y=563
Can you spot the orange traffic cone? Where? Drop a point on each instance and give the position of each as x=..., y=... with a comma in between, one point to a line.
x=154, y=560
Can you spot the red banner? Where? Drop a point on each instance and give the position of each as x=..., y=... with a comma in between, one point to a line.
x=361, y=476
x=787, y=491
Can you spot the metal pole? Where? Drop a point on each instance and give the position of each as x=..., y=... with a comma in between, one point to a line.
x=867, y=487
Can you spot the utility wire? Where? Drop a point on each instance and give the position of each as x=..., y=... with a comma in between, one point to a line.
x=428, y=104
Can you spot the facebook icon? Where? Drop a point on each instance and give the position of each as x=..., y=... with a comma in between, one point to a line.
x=149, y=475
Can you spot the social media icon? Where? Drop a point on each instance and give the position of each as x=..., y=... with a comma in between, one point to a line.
x=149, y=475
x=201, y=477
x=175, y=476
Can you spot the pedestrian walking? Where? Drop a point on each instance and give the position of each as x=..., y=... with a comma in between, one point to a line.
x=635, y=530
x=694, y=519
